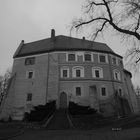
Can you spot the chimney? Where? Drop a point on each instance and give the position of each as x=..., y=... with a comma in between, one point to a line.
x=52, y=34
x=22, y=42
x=84, y=38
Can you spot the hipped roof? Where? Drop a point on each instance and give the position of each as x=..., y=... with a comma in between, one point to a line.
x=61, y=43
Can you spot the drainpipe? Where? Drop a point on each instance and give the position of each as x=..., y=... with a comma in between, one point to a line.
x=48, y=69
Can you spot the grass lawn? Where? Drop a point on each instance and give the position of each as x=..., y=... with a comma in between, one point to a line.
x=8, y=129
x=92, y=122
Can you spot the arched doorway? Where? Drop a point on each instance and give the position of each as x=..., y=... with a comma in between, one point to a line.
x=63, y=100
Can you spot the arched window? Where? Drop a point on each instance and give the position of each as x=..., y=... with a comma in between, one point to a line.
x=78, y=71
x=97, y=72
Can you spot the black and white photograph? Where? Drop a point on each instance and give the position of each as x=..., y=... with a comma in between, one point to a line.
x=69, y=69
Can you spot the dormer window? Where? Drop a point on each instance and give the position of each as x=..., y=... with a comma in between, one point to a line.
x=30, y=61
x=71, y=57
x=29, y=97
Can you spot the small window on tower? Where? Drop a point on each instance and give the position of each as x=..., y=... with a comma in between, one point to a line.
x=30, y=61
x=78, y=91
x=29, y=97
x=30, y=74
x=103, y=91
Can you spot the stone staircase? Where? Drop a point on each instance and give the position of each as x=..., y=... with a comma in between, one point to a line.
x=59, y=121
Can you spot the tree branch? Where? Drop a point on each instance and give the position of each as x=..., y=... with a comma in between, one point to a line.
x=97, y=4
x=100, y=30
x=108, y=10
x=138, y=24
x=92, y=20
x=125, y=30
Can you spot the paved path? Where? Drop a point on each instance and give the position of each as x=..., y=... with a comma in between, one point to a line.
x=59, y=121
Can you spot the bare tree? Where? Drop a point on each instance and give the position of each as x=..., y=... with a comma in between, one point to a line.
x=4, y=84
x=122, y=16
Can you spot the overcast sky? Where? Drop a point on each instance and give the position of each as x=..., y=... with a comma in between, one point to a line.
x=32, y=20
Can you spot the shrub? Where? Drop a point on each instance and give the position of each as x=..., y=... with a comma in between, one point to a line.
x=76, y=109
x=40, y=112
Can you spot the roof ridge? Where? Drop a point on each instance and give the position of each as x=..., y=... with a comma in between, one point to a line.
x=82, y=39
x=67, y=37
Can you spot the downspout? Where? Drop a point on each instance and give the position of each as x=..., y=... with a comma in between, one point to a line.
x=48, y=70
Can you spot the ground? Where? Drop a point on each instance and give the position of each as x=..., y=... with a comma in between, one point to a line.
x=100, y=134
x=59, y=127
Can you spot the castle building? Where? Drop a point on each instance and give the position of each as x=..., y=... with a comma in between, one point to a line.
x=68, y=69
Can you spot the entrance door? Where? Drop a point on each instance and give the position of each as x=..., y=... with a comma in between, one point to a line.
x=93, y=98
x=63, y=100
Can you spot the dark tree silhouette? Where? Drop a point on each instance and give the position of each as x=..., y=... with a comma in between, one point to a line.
x=122, y=16
x=4, y=83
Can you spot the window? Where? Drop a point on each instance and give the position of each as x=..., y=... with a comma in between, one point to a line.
x=78, y=71
x=103, y=58
x=30, y=61
x=65, y=72
x=120, y=62
x=103, y=91
x=29, y=97
x=88, y=57
x=120, y=92
x=117, y=75
x=97, y=72
x=78, y=91
x=30, y=74
x=71, y=57
x=114, y=61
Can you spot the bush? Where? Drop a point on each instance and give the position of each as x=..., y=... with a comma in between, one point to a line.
x=40, y=112
x=76, y=109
